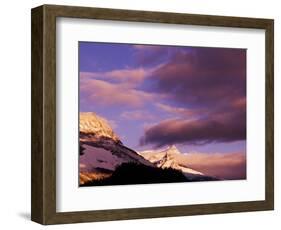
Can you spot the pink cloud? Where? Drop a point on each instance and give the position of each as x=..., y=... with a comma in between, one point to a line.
x=240, y=103
x=106, y=93
x=179, y=110
x=137, y=115
x=133, y=76
x=220, y=165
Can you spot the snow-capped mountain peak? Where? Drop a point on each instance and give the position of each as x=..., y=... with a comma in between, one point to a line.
x=102, y=151
x=92, y=124
x=172, y=150
x=169, y=158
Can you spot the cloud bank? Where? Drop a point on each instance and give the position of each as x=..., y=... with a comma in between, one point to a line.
x=208, y=87
x=191, y=95
x=231, y=166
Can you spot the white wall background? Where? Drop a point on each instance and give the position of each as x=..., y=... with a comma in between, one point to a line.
x=15, y=113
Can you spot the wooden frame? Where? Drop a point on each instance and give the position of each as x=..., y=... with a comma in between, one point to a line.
x=43, y=208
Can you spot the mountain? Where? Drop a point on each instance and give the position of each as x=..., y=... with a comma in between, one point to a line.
x=168, y=158
x=105, y=160
x=101, y=150
x=94, y=126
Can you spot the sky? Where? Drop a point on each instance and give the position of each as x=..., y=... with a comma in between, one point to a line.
x=156, y=96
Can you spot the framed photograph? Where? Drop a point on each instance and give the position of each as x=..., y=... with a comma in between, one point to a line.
x=140, y=114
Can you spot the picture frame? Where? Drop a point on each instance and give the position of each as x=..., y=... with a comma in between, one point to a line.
x=44, y=122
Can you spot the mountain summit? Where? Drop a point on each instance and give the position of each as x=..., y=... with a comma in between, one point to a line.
x=101, y=150
x=93, y=125
x=105, y=160
x=169, y=158
x=173, y=150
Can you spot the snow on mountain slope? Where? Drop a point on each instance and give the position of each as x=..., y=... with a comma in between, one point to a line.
x=94, y=159
x=103, y=150
x=167, y=158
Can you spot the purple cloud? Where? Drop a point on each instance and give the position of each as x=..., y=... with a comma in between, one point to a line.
x=223, y=126
x=137, y=115
x=210, y=86
x=180, y=111
x=134, y=76
x=110, y=94
x=231, y=166
x=201, y=90
x=206, y=76
x=151, y=55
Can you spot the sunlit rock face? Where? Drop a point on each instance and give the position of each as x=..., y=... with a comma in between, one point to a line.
x=92, y=124
x=103, y=150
